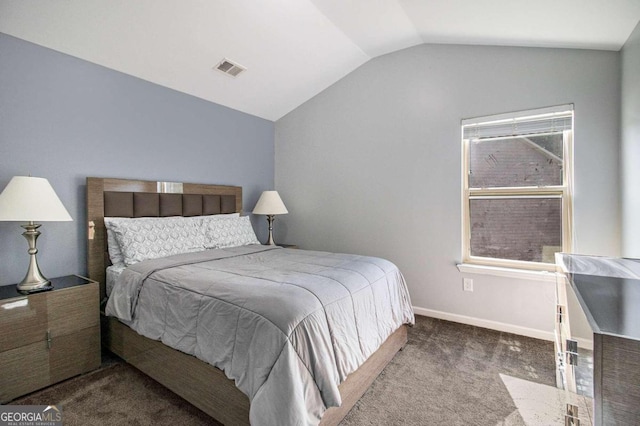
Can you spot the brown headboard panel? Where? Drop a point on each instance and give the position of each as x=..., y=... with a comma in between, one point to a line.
x=151, y=204
x=138, y=198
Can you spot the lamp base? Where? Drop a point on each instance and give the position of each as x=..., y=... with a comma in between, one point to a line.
x=34, y=280
x=34, y=288
x=270, y=218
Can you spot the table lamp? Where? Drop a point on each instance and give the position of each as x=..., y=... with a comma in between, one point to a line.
x=30, y=199
x=270, y=204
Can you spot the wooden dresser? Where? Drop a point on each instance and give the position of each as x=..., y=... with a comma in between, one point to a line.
x=49, y=336
x=608, y=291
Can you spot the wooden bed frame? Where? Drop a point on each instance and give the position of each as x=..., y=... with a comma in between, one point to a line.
x=201, y=384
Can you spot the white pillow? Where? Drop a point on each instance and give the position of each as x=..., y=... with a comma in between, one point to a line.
x=209, y=218
x=206, y=220
x=230, y=232
x=115, y=254
x=151, y=237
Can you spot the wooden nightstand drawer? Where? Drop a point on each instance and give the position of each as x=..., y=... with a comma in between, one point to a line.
x=73, y=309
x=35, y=366
x=23, y=320
x=24, y=369
x=73, y=354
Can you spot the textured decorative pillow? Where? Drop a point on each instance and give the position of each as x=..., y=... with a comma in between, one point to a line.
x=149, y=238
x=230, y=232
x=207, y=219
x=115, y=254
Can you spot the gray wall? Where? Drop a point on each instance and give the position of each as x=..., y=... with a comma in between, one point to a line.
x=65, y=119
x=372, y=165
x=630, y=151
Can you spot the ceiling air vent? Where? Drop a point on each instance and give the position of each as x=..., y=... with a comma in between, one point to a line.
x=230, y=68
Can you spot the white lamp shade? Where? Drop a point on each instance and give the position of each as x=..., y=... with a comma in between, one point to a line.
x=31, y=199
x=270, y=203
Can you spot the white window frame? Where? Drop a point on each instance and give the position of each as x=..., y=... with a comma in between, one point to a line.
x=564, y=191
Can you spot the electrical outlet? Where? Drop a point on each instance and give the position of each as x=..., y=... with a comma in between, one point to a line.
x=467, y=284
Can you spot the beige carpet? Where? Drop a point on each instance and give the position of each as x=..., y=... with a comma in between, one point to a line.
x=448, y=374
x=117, y=395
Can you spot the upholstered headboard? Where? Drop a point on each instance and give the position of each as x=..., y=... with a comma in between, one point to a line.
x=108, y=197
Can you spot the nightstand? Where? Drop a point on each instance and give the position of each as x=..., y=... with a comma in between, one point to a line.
x=48, y=336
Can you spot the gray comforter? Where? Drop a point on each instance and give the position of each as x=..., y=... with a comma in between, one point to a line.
x=287, y=325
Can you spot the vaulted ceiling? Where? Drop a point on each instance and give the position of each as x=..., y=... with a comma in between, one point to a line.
x=294, y=49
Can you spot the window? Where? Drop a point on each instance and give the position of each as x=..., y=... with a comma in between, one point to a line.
x=517, y=174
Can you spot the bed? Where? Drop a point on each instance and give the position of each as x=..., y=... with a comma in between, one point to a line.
x=290, y=372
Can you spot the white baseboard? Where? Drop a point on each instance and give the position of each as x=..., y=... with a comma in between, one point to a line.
x=498, y=326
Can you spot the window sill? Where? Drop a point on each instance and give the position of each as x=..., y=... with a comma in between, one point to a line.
x=507, y=272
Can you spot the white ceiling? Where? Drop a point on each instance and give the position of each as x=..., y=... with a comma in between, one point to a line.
x=294, y=49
